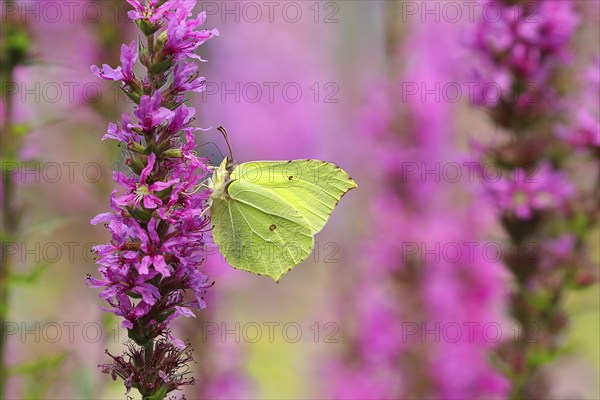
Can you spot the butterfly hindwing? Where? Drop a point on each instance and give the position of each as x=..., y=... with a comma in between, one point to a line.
x=257, y=232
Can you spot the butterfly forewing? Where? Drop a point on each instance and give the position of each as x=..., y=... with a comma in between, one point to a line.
x=311, y=187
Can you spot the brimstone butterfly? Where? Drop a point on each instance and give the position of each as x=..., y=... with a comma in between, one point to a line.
x=265, y=213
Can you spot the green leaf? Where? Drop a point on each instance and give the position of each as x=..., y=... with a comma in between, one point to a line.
x=159, y=395
x=134, y=96
x=47, y=227
x=9, y=164
x=83, y=381
x=40, y=375
x=21, y=129
x=39, y=366
x=31, y=277
x=580, y=225
x=541, y=300
x=538, y=356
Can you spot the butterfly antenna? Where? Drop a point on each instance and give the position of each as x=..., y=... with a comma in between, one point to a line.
x=226, y=137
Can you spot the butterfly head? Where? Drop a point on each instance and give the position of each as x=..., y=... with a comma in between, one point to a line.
x=221, y=179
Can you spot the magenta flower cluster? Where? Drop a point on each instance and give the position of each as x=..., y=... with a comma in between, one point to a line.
x=520, y=55
x=411, y=289
x=582, y=131
x=518, y=52
x=541, y=201
x=149, y=271
x=522, y=193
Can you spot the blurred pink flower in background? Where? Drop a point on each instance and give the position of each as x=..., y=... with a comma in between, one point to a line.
x=583, y=128
x=408, y=293
x=543, y=200
x=57, y=81
x=44, y=92
x=56, y=84
x=527, y=191
x=516, y=49
x=273, y=93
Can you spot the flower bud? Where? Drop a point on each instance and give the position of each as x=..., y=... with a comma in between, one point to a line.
x=161, y=39
x=161, y=66
x=133, y=90
x=139, y=336
x=585, y=279
x=146, y=27
x=136, y=147
x=137, y=163
x=173, y=153
x=142, y=216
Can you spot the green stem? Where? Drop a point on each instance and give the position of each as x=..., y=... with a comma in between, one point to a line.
x=152, y=78
x=148, y=353
x=8, y=228
x=14, y=51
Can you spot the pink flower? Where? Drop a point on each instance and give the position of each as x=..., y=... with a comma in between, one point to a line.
x=182, y=37
x=518, y=53
x=155, y=10
x=557, y=251
x=124, y=133
x=151, y=113
x=123, y=73
x=582, y=129
x=527, y=192
x=140, y=190
x=585, y=131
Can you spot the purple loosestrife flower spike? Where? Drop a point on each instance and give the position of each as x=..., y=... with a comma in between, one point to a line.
x=407, y=295
x=540, y=196
x=157, y=222
x=517, y=55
